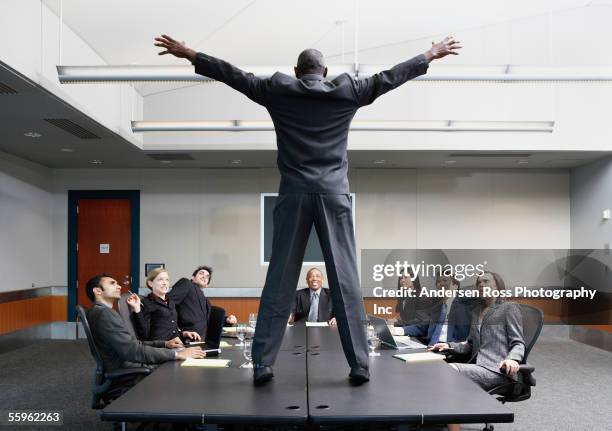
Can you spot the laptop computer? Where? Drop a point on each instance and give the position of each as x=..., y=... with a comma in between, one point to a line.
x=388, y=340
x=212, y=341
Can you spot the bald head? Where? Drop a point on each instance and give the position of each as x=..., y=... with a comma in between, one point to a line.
x=310, y=61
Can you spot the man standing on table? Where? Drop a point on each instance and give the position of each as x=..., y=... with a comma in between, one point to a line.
x=311, y=118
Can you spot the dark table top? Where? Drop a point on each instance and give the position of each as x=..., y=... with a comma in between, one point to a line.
x=314, y=386
x=217, y=395
x=398, y=392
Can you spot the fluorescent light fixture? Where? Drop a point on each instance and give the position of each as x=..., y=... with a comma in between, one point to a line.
x=356, y=126
x=101, y=74
x=437, y=73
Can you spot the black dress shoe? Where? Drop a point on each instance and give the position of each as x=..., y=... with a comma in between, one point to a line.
x=359, y=375
x=262, y=374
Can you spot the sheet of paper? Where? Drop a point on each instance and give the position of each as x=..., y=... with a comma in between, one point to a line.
x=224, y=344
x=206, y=363
x=315, y=324
x=419, y=357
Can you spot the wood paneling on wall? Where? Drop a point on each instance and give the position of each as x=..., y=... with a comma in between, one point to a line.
x=25, y=313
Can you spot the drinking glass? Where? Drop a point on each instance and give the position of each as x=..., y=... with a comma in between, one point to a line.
x=246, y=352
x=373, y=341
x=253, y=320
x=241, y=330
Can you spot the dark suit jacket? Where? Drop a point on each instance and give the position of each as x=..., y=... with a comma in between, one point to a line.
x=192, y=306
x=311, y=117
x=499, y=337
x=414, y=310
x=156, y=320
x=117, y=346
x=459, y=321
x=301, y=306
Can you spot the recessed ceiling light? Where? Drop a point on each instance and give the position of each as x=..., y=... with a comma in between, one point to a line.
x=66, y=150
x=450, y=162
x=380, y=162
x=165, y=161
x=95, y=162
x=523, y=162
x=236, y=162
x=32, y=134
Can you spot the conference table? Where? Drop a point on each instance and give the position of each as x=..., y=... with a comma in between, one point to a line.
x=310, y=388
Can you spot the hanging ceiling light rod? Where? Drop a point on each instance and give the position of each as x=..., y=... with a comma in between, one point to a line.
x=133, y=74
x=356, y=126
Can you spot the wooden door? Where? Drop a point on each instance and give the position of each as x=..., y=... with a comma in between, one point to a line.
x=103, y=242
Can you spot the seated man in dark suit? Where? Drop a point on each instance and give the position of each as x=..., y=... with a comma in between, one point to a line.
x=313, y=304
x=117, y=346
x=449, y=321
x=192, y=305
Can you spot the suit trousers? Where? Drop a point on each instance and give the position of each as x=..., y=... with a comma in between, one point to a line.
x=294, y=216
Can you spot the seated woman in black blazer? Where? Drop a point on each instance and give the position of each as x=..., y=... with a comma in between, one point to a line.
x=416, y=309
x=495, y=345
x=155, y=316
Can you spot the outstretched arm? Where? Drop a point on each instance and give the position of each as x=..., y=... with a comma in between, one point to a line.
x=370, y=88
x=248, y=84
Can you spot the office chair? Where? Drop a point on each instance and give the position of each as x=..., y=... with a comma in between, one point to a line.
x=533, y=320
x=125, y=312
x=110, y=385
x=216, y=319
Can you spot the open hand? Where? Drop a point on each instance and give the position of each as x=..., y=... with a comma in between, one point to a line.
x=171, y=46
x=444, y=48
x=134, y=302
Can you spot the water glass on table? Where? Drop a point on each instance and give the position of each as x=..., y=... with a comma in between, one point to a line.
x=246, y=352
x=241, y=331
x=253, y=320
x=373, y=341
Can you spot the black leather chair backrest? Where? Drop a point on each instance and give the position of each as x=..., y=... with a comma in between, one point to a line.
x=92, y=345
x=215, y=326
x=533, y=320
x=126, y=313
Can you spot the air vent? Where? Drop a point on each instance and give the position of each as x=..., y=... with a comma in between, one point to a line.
x=170, y=156
x=72, y=128
x=491, y=155
x=5, y=89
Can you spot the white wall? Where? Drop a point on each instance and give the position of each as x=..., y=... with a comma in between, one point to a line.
x=591, y=193
x=26, y=232
x=191, y=217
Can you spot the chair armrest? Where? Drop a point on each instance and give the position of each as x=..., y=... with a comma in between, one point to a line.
x=526, y=370
x=128, y=372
